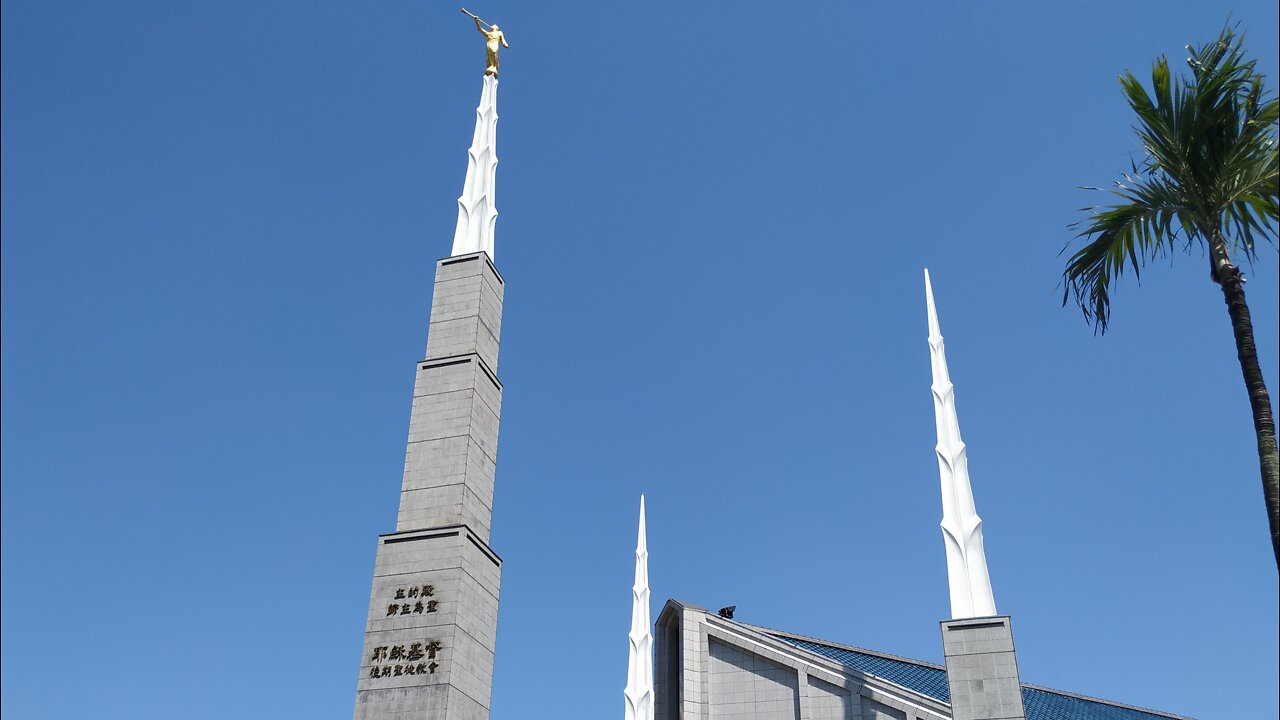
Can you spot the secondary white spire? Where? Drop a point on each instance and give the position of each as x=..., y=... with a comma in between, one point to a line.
x=477, y=213
x=639, y=690
x=961, y=527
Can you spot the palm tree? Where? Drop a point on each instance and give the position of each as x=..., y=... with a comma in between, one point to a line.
x=1208, y=181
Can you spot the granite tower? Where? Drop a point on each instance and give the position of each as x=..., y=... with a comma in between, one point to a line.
x=433, y=613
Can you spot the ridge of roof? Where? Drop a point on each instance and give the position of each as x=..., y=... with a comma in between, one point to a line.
x=851, y=648
x=1104, y=701
x=782, y=634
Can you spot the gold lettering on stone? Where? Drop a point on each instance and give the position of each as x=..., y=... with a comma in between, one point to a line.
x=415, y=658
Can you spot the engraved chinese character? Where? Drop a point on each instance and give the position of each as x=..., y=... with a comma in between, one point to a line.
x=392, y=609
x=432, y=667
x=428, y=590
x=386, y=671
x=419, y=607
x=413, y=591
x=431, y=605
x=399, y=593
x=415, y=652
x=373, y=672
x=422, y=668
x=399, y=670
x=433, y=647
x=410, y=669
x=397, y=652
x=405, y=609
x=379, y=653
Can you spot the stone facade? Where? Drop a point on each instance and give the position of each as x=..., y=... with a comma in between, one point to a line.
x=710, y=668
x=433, y=613
x=707, y=667
x=982, y=669
x=746, y=686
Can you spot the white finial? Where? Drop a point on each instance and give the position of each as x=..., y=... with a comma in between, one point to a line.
x=639, y=690
x=477, y=213
x=961, y=527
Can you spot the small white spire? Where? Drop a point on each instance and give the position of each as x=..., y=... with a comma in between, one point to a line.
x=961, y=527
x=477, y=211
x=639, y=690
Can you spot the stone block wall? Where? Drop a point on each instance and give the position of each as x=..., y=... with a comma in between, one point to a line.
x=982, y=669
x=745, y=686
x=433, y=611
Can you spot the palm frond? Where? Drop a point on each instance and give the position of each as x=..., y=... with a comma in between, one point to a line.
x=1122, y=237
x=1210, y=170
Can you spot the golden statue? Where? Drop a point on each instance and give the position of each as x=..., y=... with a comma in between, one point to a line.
x=494, y=37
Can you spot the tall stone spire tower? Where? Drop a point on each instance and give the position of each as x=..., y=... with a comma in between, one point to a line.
x=433, y=614
x=982, y=668
x=639, y=691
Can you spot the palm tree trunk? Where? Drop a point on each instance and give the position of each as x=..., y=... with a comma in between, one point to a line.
x=1232, y=283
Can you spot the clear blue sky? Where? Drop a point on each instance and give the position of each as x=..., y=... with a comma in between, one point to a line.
x=220, y=222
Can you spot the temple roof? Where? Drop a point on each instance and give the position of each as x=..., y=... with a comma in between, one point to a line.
x=1040, y=703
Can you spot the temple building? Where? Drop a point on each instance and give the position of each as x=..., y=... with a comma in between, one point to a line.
x=433, y=612
x=706, y=666
x=432, y=623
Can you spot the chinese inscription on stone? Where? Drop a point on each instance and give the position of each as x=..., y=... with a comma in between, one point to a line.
x=413, y=659
x=417, y=600
x=417, y=658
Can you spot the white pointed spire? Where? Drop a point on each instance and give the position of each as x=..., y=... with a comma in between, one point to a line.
x=961, y=527
x=477, y=212
x=639, y=690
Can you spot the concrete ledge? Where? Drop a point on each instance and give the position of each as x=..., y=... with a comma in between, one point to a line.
x=446, y=531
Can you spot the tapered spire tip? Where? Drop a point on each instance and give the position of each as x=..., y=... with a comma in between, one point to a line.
x=967, y=577
x=935, y=332
x=638, y=693
x=477, y=209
